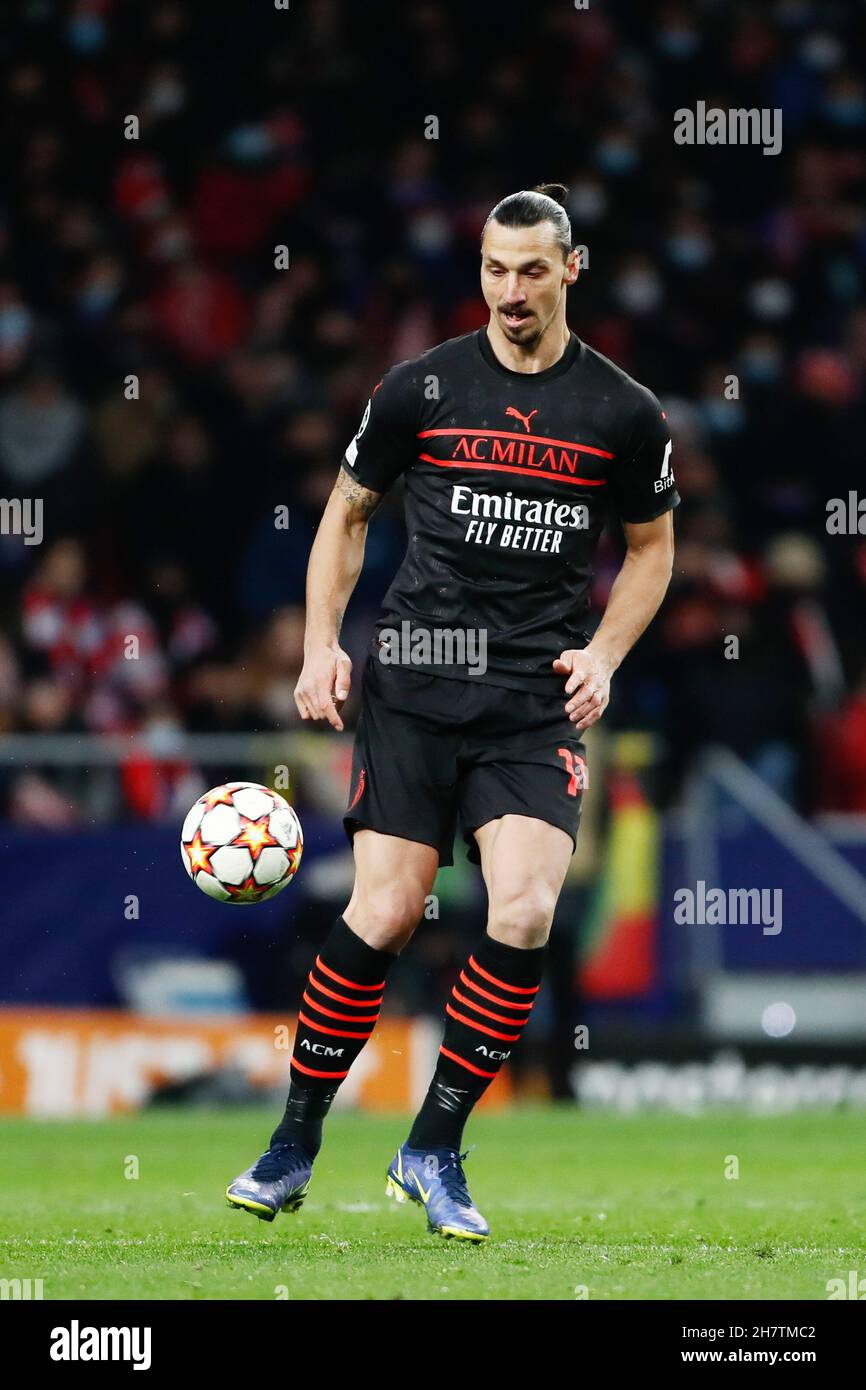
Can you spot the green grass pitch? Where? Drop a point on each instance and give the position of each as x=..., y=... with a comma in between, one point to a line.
x=580, y=1204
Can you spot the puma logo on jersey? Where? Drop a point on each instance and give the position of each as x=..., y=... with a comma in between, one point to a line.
x=493, y=1054
x=667, y=477
x=512, y=410
x=321, y=1049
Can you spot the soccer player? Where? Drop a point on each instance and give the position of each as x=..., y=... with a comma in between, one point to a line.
x=514, y=442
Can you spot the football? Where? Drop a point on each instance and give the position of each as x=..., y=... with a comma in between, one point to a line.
x=241, y=843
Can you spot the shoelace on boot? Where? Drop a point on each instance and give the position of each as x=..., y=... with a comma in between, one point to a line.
x=455, y=1181
x=276, y=1163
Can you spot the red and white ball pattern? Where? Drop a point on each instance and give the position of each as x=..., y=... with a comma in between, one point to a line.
x=241, y=843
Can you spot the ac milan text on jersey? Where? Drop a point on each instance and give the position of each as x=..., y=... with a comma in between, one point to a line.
x=509, y=477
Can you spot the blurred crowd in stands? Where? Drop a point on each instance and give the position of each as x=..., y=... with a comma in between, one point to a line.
x=731, y=282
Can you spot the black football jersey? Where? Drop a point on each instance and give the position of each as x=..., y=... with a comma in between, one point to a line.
x=509, y=477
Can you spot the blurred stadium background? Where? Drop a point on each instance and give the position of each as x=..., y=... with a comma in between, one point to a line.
x=164, y=388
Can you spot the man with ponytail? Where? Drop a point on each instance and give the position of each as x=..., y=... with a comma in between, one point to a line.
x=515, y=443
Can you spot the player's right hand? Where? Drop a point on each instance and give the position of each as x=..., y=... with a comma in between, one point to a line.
x=324, y=684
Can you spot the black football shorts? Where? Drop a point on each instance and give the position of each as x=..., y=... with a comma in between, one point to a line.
x=430, y=748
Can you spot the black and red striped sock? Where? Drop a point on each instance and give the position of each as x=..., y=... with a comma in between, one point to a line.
x=489, y=1006
x=339, y=1010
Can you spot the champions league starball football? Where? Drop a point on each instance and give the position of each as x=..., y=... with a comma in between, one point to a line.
x=241, y=843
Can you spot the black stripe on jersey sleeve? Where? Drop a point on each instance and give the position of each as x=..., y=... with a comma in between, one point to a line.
x=673, y=500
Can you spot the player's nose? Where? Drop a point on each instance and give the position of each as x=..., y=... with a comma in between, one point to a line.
x=514, y=294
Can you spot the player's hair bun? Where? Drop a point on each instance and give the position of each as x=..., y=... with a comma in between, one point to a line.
x=557, y=191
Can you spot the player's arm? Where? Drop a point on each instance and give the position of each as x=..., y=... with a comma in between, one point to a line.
x=336, y=560
x=383, y=448
x=634, y=601
x=643, y=493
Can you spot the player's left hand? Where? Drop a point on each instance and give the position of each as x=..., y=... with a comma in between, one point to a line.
x=588, y=684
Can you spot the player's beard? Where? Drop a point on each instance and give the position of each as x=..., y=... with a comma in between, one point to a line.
x=525, y=334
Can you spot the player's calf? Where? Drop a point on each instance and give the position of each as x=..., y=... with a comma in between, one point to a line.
x=339, y=1010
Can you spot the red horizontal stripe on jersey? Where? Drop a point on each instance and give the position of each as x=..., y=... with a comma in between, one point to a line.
x=512, y=468
x=341, y=979
x=344, y=1018
x=310, y=1071
x=523, y=438
x=513, y=989
x=494, y=999
x=468, y=1065
x=488, y=1013
x=481, y=1027
x=335, y=1032
x=344, y=998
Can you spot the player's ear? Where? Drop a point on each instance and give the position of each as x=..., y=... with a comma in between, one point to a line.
x=572, y=267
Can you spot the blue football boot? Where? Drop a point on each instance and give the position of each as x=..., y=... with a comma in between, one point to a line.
x=435, y=1178
x=277, y=1181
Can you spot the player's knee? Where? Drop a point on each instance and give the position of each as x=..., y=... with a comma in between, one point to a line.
x=390, y=914
x=523, y=919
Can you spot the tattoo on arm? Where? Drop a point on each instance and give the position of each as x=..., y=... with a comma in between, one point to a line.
x=360, y=500
x=338, y=616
